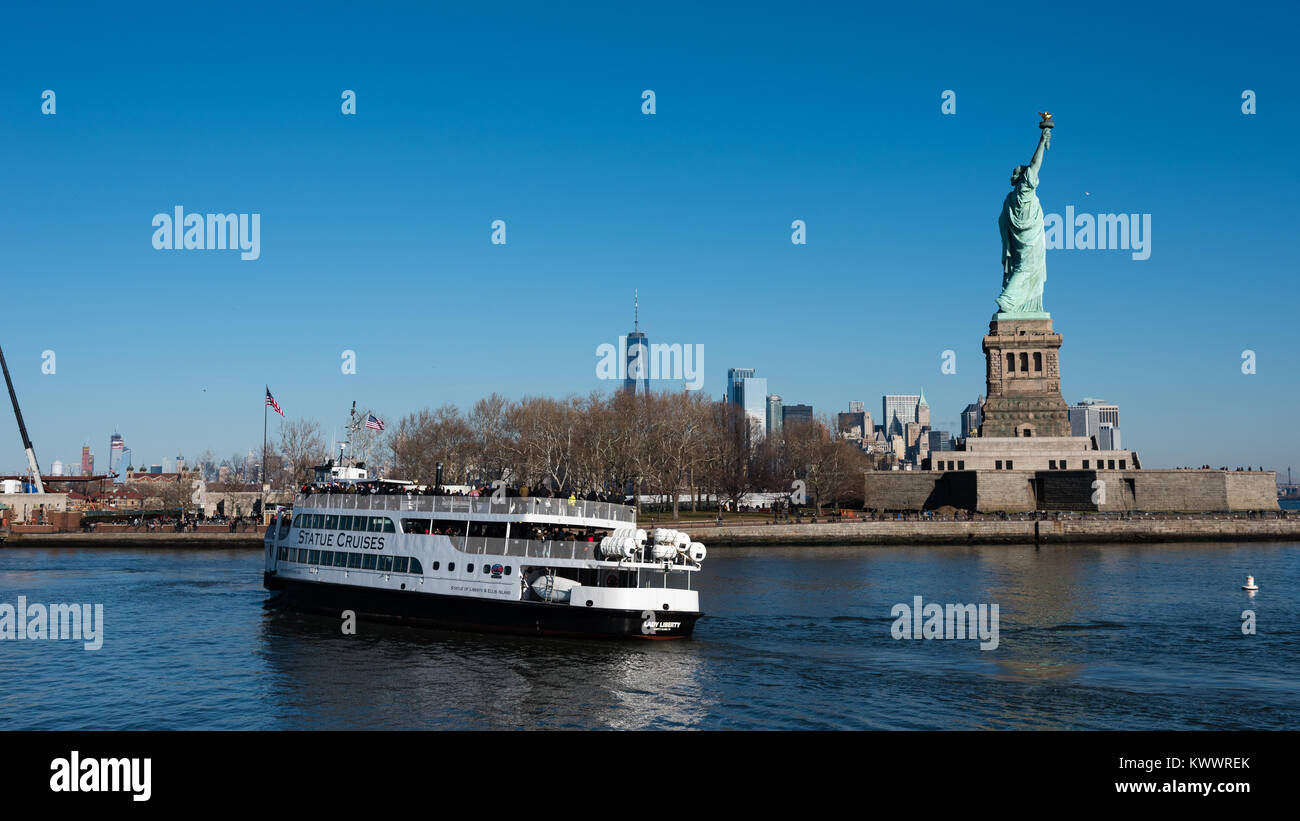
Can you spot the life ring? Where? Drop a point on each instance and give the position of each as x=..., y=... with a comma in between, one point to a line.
x=611, y=579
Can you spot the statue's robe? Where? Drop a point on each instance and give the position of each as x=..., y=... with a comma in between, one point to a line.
x=1024, y=248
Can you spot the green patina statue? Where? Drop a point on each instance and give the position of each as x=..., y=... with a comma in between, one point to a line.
x=1024, y=248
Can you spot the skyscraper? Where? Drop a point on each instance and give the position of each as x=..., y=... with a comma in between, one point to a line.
x=855, y=424
x=897, y=410
x=750, y=394
x=796, y=415
x=1108, y=437
x=1107, y=413
x=116, y=448
x=637, y=379
x=735, y=384
x=1084, y=420
x=939, y=440
x=972, y=417
x=773, y=415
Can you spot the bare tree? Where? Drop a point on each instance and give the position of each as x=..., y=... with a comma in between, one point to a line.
x=728, y=446
x=302, y=446
x=420, y=441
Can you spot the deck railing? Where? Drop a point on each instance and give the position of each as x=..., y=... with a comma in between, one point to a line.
x=512, y=505
x=524, y=548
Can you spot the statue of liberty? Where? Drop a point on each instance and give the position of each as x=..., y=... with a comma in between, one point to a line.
x=1024, y=248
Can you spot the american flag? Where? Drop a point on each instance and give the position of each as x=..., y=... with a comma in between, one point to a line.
x=270, y=400
x=373, y=422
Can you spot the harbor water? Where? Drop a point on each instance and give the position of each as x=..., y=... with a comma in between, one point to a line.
x=1089, y=637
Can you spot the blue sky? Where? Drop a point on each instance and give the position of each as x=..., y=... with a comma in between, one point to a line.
x=375, y=228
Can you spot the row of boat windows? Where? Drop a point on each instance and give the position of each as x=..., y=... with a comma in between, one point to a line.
x=358, y=561
x=373, y=561
x=332, y=521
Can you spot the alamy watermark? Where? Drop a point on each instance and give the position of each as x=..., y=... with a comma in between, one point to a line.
x=1101, y=232
x=38, y=621
x=77, y=774
x=655, y=360
x=218, y=232
x=953, y=621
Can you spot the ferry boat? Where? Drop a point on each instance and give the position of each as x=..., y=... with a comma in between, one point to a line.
x=550, y=566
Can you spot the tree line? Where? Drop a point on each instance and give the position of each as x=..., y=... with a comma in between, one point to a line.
x=673, y=445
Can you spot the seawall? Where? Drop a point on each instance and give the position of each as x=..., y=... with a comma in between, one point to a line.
x=986, y=532
x=980, y=532
x=224, y=540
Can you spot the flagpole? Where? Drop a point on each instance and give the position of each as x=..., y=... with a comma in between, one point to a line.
x=261, y=486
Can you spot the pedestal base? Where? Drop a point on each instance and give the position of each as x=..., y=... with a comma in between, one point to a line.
x=1024, y=378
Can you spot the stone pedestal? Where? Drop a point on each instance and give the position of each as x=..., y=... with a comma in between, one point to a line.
x=1024, y=379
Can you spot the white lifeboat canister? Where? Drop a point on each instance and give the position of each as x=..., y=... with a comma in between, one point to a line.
x=553, y=588
x=664, y=552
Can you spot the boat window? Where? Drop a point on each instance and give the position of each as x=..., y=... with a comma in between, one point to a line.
x=284, y=552
x=435, y=565
x=386, y=564
x=401, y=563
x=416, y=525
x=297, y=520
x=302, y=555
x=318, y=520
x=345, y=523
x=415, y=565
x=507, y=570
x=354, y=560
x=451, y=566
x=326, y=558
x=389, y=527
x=284, y=526
x=376, y=524
x=368, y=561
x=360, y=522
x=313, y=557
x=340, y=559
x=331, y=521
x=487, y=568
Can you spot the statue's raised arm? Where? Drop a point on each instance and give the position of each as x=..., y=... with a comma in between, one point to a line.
x=1044, y=137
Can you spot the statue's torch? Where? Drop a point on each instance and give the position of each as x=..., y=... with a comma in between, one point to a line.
x=1047, y=125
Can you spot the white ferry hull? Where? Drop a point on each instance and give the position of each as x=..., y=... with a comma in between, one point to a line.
x=476, y=614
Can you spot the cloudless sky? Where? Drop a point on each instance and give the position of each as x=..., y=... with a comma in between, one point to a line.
x=375, y=228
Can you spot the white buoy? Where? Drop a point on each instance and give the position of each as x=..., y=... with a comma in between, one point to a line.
x=1250, y=584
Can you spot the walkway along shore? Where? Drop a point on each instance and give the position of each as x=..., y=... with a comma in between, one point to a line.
x=980, y=532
